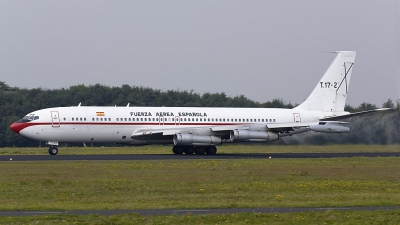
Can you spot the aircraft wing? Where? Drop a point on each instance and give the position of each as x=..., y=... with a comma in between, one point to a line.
x=143, y=132
x=333, y=118
x=222, y=130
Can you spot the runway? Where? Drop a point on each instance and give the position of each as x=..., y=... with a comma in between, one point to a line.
x=172, y=156
x=155, y=212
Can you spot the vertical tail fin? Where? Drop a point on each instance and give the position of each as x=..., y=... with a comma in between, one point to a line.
x=331, y=91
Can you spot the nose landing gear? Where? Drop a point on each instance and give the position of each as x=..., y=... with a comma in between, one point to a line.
x=53, y=150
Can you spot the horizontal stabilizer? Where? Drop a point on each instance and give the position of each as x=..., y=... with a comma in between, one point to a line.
x=354, y=114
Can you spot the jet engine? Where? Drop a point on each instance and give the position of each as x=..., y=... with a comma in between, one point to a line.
x=250, y=135
x=190, y=139
x=327, y=128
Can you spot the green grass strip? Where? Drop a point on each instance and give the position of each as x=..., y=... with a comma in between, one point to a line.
x=329, y=217
x=194, y=184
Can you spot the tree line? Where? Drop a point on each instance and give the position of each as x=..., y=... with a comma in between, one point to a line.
x=380, y=128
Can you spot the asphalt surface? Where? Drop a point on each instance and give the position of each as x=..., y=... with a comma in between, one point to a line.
x=154, y=212
x=172, y=156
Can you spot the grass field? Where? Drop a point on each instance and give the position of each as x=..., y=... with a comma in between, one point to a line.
x=223, y=149
x=191, y=184
x=305, y=218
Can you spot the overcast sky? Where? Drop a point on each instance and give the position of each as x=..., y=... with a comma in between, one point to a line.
x=260, y=49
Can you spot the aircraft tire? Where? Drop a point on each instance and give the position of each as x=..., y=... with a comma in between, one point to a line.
x=211, y=150
x=200, y=150
x=178, y=150
x=189, y=150
x=53, y=150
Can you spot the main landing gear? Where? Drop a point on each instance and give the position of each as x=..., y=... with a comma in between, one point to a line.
x=53, y=150
x=190, y=150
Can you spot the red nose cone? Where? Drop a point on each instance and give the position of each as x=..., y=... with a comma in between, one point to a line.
x=17, y=127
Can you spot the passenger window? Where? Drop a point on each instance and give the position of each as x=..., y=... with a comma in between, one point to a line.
x=97, y=119
x=270, y=120
x=262, y=120
x=274, y=120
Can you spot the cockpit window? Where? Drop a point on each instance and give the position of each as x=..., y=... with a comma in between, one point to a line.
x=28, y=118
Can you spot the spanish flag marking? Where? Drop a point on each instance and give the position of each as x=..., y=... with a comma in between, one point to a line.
x=100, y=114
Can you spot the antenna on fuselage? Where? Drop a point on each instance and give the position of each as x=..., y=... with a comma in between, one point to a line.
x=128, y=105
x=79, y=105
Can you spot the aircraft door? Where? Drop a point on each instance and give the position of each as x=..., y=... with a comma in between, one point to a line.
x=55, y=119
x=297, y=118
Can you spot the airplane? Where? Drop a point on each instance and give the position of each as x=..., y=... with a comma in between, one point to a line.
x=197, y=130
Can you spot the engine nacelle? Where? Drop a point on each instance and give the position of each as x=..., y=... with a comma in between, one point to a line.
x=190, y=139
x=249, y=135
x=330, y=128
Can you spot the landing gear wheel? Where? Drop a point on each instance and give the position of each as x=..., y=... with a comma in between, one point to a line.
x=178, y=150
x=200, y=150
x=189, y=150
x=211, y=150
x=53, y=150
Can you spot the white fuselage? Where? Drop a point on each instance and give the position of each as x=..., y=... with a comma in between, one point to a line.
x=117, y=124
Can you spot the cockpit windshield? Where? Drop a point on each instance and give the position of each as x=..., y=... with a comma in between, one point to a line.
x=28, y=118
